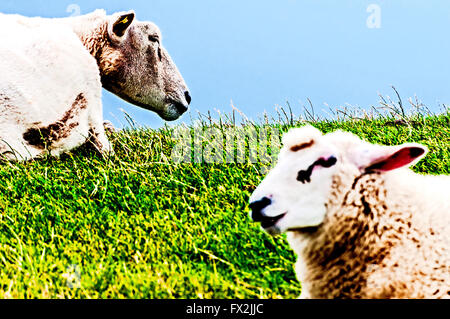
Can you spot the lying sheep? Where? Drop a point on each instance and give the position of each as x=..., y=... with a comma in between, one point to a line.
x=363, y=225
x=53, y=71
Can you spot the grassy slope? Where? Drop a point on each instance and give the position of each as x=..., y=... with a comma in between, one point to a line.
x=139, y=226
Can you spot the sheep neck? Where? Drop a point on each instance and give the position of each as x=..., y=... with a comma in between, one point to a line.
x=95, y=39
x=353, y=238
x=92, y=30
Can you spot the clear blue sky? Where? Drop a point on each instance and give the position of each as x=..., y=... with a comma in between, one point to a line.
x=262, y=53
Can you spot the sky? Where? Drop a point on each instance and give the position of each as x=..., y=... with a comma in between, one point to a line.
x=257, y=54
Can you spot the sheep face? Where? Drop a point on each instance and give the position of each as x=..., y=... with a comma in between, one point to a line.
x=296, y=193
x=136, y=67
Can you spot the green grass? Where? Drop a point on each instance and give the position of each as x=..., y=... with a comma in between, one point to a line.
x=138, y=225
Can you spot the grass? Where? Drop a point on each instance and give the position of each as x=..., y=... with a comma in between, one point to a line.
x=137, y=225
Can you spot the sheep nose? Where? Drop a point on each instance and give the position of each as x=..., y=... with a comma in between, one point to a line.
x=188, y=97
x=257, y=208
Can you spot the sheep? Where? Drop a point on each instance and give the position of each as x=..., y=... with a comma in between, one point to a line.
x=362, y=224
x=53, y=71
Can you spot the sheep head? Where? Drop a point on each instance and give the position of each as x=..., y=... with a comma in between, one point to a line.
x=295, y=194
x=135, y=66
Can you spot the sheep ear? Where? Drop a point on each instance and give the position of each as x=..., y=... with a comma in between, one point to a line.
x=384, y=159
x=122, y=24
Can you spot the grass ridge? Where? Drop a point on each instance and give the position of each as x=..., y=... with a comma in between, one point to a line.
x=139, y=226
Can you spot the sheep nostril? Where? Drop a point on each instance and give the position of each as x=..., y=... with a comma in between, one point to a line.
x=188, y=97
x=261, y=204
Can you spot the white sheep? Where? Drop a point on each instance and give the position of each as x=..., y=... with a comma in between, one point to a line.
x=52, y=75
x=362, y=223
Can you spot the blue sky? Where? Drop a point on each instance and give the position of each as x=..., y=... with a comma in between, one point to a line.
x=259, y=53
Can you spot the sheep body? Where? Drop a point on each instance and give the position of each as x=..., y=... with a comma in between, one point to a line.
x=385, y=234
x=31, y=92
x=377, y=242
x=53, y=71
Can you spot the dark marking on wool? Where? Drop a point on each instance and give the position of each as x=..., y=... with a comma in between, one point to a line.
x=93, y=139
x=303, y=146
x=4, y=97
x=341, y=268
x=357, y=179
x=45, y=136
x=160, y=54
x=305, y=176
x=355, y=183
x=6, y=101
x=336, y=252
x=366, y=208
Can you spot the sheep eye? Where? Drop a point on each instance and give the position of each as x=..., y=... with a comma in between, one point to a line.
x=153, y=38
x=305, y=176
